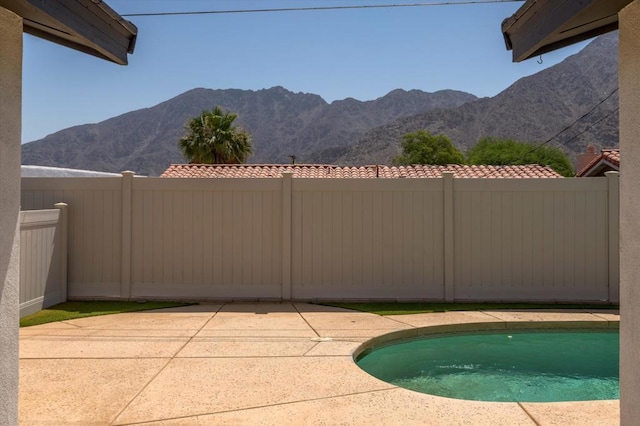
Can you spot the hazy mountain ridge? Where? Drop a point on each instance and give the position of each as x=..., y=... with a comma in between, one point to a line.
x=349, y=131
x=281, y=122
x=533, y=109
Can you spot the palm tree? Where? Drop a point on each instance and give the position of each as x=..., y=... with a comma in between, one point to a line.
x=213, y=139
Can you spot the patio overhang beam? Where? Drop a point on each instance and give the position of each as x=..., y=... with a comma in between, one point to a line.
x=541, y=26
x=89, y=26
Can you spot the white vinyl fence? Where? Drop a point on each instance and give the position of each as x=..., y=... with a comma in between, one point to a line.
x=43, y=259
x=338, y=239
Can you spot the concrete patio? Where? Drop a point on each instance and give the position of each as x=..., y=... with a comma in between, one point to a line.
x=267, y=364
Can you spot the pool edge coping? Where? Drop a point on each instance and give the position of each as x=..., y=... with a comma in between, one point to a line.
x=480, y=326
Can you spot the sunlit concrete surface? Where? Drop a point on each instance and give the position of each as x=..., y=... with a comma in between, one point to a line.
x=267, y=364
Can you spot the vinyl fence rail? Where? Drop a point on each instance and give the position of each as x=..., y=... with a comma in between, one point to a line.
x=338, y=239
x=43, y=259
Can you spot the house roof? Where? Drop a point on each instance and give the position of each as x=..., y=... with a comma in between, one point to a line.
x=361, y=172
x=89, y=26
x=45, y=171
x=609, y=159
x=540, y=26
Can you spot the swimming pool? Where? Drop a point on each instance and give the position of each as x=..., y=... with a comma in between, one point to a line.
x=508, y=366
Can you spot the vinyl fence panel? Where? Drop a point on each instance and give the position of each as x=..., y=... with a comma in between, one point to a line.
x=339, y=239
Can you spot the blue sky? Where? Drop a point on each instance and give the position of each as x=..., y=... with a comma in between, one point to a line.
x=362, y=53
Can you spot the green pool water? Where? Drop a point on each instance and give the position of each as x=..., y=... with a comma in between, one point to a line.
x=505, y=366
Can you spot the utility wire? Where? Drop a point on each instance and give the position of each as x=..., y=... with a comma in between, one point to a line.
x=573, y=124
x=589, y=127
x=319, y=8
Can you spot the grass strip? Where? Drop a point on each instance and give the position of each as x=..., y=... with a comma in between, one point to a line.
x=390, y=308
x=82, y=309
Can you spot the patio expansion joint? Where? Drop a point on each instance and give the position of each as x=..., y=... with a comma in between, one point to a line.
x=169, y=359
x=258, y=407
x=495, y=317
x=293, y=305
x=608, y=320
x=142, y=388
x=256, y=356
x=72, y=324
x=533, y=419
x=310, y=349
x=255, y=338
x=389, y=317
x=58, y=337
x=93, y=358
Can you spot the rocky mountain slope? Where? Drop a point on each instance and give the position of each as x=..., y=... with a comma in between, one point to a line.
x=533, y=109
x=281, y=122
x=351, y=132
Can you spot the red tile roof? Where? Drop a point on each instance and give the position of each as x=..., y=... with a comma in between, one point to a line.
x=609, y=159
x=366, y=172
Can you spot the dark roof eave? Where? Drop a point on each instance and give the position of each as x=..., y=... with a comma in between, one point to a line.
x=89, y=26
x=36, y=32
x=550, y=47
x=599, y=169
x=598, y=166
x=541, y=26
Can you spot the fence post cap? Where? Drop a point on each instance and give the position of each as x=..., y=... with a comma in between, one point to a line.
x=61, y=205
x=127, y=173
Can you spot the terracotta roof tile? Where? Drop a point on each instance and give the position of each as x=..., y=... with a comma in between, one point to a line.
x=607, y=157
x=612, y=155
x=360, y=172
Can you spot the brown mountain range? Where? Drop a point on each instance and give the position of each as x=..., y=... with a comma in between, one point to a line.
x=281, y=122
x=533, y=109
x=352, y=132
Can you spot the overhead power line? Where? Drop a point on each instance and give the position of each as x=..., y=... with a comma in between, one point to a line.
x=319, y=8
x=575, y=122
x=589, y=127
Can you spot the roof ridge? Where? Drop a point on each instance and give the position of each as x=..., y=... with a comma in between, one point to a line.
x=358, y=171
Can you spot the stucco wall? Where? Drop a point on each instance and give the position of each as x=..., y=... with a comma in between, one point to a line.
x=629, y=84
x=10, y=122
